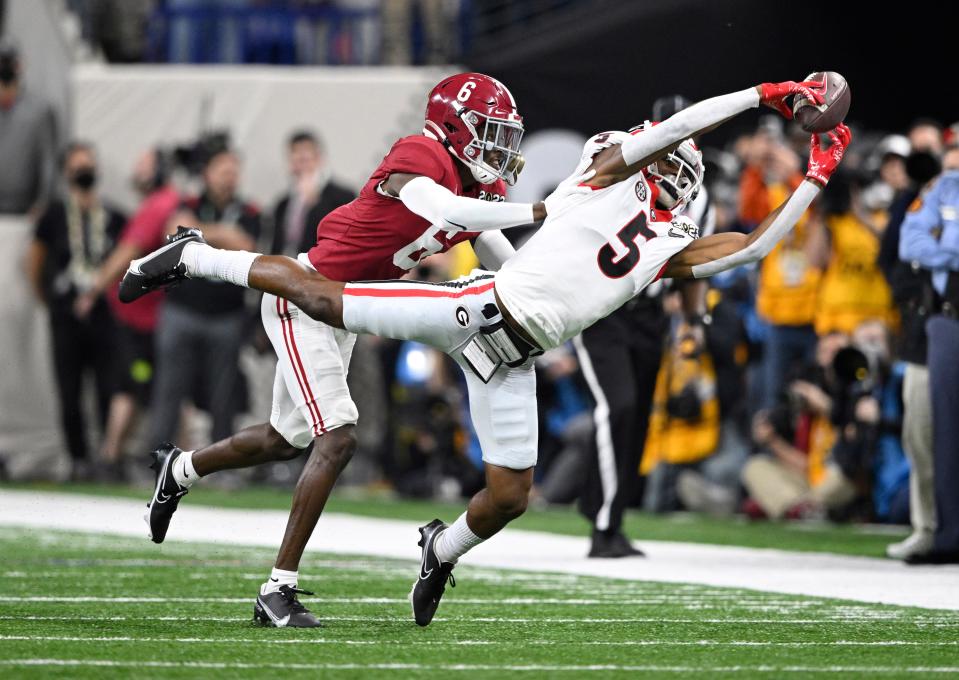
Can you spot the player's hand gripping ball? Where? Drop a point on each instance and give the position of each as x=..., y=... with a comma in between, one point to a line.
x=831, y=111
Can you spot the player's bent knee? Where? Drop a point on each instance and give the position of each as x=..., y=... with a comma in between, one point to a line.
x=320, y=300
x=512, y=506
x=337, y=446
x=510, y=502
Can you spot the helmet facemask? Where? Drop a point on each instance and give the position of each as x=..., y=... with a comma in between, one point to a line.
x=679, y=176
x=494, y=151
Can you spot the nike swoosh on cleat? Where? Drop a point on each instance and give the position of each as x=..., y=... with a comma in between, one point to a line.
x=135, y=265
x=424, y=572
x=277, y=621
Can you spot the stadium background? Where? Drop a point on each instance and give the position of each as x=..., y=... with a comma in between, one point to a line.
x=128, y=76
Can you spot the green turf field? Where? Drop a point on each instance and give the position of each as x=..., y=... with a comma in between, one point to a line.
x=81, y=605
x=845, y=539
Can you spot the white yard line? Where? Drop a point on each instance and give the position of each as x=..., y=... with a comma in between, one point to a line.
x=725, y=622
x=483, y=643
x=799, y=573
x=603, y=668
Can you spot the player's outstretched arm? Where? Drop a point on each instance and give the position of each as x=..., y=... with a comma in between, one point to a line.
x=642, y=149
x=719, y=252
x=441, y=206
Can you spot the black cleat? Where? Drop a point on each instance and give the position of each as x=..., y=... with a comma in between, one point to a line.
x=166, y=495
x=281, y=609
x=429, y=586
x=159, y=269
x=612, y=545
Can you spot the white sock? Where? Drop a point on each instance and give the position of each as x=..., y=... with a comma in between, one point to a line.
x=206, y=262
x=456, y=541
x=279, y=577
x=183, y=471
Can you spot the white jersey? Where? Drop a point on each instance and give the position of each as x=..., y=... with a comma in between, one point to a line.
x=594, y=254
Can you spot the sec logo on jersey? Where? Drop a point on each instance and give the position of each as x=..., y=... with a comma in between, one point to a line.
x=641, y=191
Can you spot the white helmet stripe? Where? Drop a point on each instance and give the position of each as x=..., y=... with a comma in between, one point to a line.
x=434, y=131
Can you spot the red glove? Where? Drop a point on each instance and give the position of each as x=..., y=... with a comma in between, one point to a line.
x=774, y=94
x=823, y=162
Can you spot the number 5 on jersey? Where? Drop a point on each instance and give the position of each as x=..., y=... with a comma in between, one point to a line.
x=617, y=266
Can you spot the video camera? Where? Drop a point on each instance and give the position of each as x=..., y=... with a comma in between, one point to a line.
x=192, y=157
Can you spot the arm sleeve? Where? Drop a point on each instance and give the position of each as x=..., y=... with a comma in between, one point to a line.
x=493, y=249
x=442, y=207
x=758, y=249
x=687, y=123
x=916, y=241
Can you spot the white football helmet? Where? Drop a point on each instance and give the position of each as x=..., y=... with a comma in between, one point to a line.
x=678, y=174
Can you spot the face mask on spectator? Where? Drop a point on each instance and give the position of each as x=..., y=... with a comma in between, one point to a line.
x=922, y=166
x=84, y=178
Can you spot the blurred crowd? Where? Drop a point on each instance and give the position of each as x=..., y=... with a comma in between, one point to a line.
x=357, y=32
x=820, y=383
x=305, y=32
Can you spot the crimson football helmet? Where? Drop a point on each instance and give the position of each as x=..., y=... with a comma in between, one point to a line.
x=678, y=174
x=475, y=117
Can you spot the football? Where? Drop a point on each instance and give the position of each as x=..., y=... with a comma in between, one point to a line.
x=832, y=111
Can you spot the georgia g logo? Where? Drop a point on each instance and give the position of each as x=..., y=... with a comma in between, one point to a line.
x=462, y=317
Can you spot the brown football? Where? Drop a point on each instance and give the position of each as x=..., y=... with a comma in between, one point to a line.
x=829, y=114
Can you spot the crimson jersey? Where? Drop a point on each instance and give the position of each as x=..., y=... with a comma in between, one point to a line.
x=376, y=236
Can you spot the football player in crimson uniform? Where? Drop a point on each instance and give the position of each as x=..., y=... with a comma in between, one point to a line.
x=595, y=252
x=467, y=154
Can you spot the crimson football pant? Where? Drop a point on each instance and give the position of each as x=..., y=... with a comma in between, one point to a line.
x=619, y=357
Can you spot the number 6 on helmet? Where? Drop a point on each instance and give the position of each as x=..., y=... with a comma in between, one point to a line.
x=475, y=117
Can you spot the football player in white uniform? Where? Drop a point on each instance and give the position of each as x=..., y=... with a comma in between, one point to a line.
x=598, y=250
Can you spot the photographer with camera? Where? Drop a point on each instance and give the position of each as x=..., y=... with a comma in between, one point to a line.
x=793, y=476
x=684, y=424
x=868, y=416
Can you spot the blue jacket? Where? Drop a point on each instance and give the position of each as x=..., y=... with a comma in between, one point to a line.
x=938, y=208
